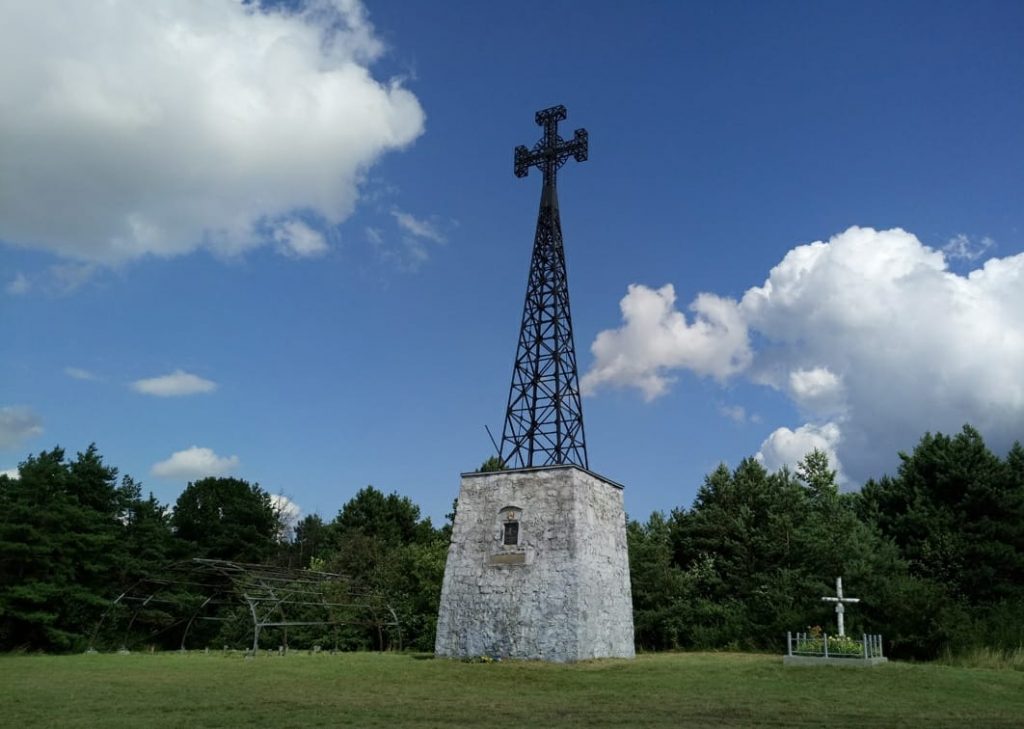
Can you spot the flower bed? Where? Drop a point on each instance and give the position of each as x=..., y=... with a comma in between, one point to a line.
x=817, y=647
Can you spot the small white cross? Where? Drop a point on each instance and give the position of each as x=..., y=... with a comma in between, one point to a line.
x=839, y=600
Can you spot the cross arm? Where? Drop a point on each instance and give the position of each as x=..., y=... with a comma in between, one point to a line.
x=523, y=160
x=579, y=147
x=544, y=153
x=552, y=115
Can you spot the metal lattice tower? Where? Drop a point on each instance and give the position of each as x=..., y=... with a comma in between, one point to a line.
x=544, y=418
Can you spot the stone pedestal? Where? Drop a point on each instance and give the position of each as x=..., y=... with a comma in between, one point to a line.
x=537, y=568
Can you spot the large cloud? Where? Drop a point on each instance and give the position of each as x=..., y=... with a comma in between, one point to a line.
x=136, y=127
x=870, y=334
x=656, y=338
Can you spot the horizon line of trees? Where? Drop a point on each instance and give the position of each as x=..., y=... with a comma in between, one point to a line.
x=935, y=552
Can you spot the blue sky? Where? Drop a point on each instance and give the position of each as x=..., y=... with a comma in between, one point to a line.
x=288, y=245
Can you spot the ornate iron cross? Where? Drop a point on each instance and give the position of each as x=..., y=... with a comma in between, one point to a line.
x=551, y=151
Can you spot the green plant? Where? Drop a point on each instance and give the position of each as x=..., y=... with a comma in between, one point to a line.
x=837, y=645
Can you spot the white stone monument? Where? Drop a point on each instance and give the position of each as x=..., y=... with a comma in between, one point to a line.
x=537, y=568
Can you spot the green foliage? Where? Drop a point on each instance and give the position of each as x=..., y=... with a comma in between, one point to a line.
x=392, y=519
x=310, y=545
x=386, y=549
x=753, y=557
x=69, y=535
x=935, y=552
x=837, y=646
x=226, y=518
x=147, y=538
x=659, y=588
x=749, y=532
x=955, y=511
x=494, y=463
x=987, y=658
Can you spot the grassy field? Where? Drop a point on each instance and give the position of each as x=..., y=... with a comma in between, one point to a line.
x=392, y=690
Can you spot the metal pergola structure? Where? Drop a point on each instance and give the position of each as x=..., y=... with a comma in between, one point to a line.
x=196, y=590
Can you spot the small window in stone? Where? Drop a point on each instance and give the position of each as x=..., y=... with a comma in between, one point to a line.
x=508, y=523
x=511, y=533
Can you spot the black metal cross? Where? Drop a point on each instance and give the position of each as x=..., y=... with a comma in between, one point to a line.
x=544, y=416
x=551, y=151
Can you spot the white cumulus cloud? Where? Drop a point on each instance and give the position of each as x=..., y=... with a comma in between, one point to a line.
x=785, y=447
x=140, y=127
x=656, y=338
x=193, y=463
x=11, y=473
x=817, y=390
x=869, y=331
x=17, y=425
x=175, y=384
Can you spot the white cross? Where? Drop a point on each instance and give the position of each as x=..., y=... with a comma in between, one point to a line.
x=839, y=600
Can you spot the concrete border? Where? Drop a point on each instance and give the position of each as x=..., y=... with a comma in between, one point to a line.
x=830, y=661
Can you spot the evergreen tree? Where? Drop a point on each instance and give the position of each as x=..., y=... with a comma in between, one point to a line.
x=311, y=543
x=226, y=518
x=956, y=513
x=147, y=538
x=392, y=519
x=663, y=596
x=386, y=549
x=60, y=537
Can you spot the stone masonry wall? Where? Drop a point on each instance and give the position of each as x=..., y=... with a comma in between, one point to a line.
x=561, y=593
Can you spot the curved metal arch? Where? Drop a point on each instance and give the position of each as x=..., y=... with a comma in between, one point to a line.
x=265, y=589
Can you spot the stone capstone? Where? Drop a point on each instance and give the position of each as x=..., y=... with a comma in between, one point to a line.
x=561, y=592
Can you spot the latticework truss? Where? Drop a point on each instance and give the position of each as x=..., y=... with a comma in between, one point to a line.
x=544, y=416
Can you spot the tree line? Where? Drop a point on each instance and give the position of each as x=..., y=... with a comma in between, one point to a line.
x=73, y=537
x=935, y=552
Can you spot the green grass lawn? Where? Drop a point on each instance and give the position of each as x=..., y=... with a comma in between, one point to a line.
x=390, y=690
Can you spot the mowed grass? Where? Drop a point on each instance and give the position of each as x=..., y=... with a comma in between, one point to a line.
x=395, y=690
